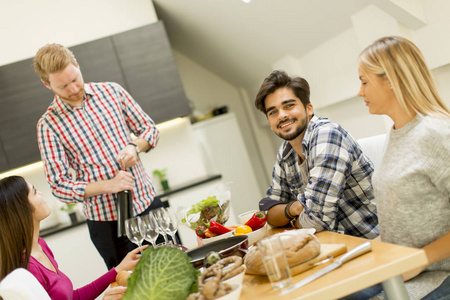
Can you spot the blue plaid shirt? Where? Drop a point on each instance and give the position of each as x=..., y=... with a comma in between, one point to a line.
x=337, y=195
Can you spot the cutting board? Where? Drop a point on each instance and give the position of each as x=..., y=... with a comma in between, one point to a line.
x=325, y=251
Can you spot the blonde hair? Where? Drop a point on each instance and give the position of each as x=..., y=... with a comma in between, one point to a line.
x=52, y=58
x=404, y=66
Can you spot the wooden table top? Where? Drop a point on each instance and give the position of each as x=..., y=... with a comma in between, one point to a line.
x=383, y=262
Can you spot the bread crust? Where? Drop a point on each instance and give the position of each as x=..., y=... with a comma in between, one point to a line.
x=298, y=247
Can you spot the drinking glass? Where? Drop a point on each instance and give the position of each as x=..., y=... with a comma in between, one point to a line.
x=162, y=222
x=148, y=228
x=133, y=230
x=275, y=262
x=173, y=223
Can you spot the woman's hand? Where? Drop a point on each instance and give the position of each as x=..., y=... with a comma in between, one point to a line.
x=130, y=261
x=115, y=293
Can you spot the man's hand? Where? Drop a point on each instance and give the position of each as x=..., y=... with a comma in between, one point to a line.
x=127, y=157
x=123, y=181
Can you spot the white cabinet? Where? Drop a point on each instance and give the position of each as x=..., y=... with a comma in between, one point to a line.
x=224, y=152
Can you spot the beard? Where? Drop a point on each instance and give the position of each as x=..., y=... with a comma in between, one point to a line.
x=73, y=98
x=297, y=131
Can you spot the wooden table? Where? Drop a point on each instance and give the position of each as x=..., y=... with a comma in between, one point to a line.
x=385, y=264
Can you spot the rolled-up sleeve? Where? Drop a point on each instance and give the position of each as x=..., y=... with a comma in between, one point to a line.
x=139, y=122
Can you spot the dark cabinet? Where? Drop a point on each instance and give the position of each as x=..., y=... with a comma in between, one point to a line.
x=150, y=71
x=98, y=62
x=140, y=60
x=23, y=99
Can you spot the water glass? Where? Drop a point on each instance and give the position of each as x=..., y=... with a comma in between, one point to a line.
x=275, y=262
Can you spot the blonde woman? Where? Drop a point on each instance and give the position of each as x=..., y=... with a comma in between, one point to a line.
x=412, y=183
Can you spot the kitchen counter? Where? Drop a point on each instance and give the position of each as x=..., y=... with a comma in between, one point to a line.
x=175, y=189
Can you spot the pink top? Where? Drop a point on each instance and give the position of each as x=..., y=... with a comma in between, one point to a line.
x=59, y=286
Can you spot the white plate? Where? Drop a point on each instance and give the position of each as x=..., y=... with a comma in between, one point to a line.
x=234, y=294
x=238, y=278
x=256, y=235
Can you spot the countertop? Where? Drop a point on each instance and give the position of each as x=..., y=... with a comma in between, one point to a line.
x=163, y=194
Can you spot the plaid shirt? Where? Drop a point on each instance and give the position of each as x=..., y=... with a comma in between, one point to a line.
x=87, y=140
x=337, y=195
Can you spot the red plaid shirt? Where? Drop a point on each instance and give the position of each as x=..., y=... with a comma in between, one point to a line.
x=87, y=140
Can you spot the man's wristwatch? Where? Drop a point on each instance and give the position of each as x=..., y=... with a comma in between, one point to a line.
x=293, y=221
x=135, y=147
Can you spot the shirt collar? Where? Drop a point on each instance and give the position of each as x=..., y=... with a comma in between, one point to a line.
x=61, y=107
x=309, y=129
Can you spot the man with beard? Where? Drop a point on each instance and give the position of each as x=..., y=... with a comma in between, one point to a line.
x=87, y=128
x=321, y=178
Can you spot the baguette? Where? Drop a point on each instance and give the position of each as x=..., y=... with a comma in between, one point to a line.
x=298, y=247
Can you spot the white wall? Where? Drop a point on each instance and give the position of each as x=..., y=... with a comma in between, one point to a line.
x=206, y=90
x=27, y=25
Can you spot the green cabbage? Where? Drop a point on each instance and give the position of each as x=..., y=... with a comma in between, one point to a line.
x=161, y=274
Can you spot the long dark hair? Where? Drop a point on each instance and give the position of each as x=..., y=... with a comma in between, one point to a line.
x=16, y=224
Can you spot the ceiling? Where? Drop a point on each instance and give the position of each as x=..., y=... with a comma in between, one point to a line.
x=241, y=41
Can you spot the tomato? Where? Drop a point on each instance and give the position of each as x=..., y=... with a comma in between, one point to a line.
x=242, y=229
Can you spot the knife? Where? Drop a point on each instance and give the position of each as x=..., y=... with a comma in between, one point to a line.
x=359, y=250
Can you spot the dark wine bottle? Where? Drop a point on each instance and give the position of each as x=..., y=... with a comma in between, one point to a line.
x=124, y=210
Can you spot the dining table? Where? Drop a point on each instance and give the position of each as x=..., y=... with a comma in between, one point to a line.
x=383, y=264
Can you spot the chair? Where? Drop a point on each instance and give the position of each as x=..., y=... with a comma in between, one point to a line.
x=374, y=147
x=20, y=284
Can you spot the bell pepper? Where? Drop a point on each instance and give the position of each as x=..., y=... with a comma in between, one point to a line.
x=217, y=228
x=257, y=221
x=200, y=231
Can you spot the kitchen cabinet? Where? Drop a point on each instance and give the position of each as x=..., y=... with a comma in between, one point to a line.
x=98, y=62
x=150, y=71
x=3, y=161
x=140, y=60
x=23, y=99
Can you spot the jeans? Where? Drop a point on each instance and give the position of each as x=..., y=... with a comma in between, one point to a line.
x=442, y=292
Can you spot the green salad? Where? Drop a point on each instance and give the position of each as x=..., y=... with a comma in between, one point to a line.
x=208, y=209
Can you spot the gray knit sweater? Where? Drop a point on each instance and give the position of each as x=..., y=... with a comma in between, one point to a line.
x=412, y=192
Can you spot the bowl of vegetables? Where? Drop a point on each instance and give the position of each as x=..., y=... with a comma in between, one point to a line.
x=255, y=227
x=253, y=236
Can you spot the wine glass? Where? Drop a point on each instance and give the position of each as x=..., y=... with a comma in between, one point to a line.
x=162, y=223
x=149, y=228
x=173, y=222
x=133, y=230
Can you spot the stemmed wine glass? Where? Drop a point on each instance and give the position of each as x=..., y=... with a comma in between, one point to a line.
x=173, y=223
x=162, y=222
x=134, y=232
x=149, y=228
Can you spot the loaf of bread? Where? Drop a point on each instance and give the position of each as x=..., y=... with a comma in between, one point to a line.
x=299, y=248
